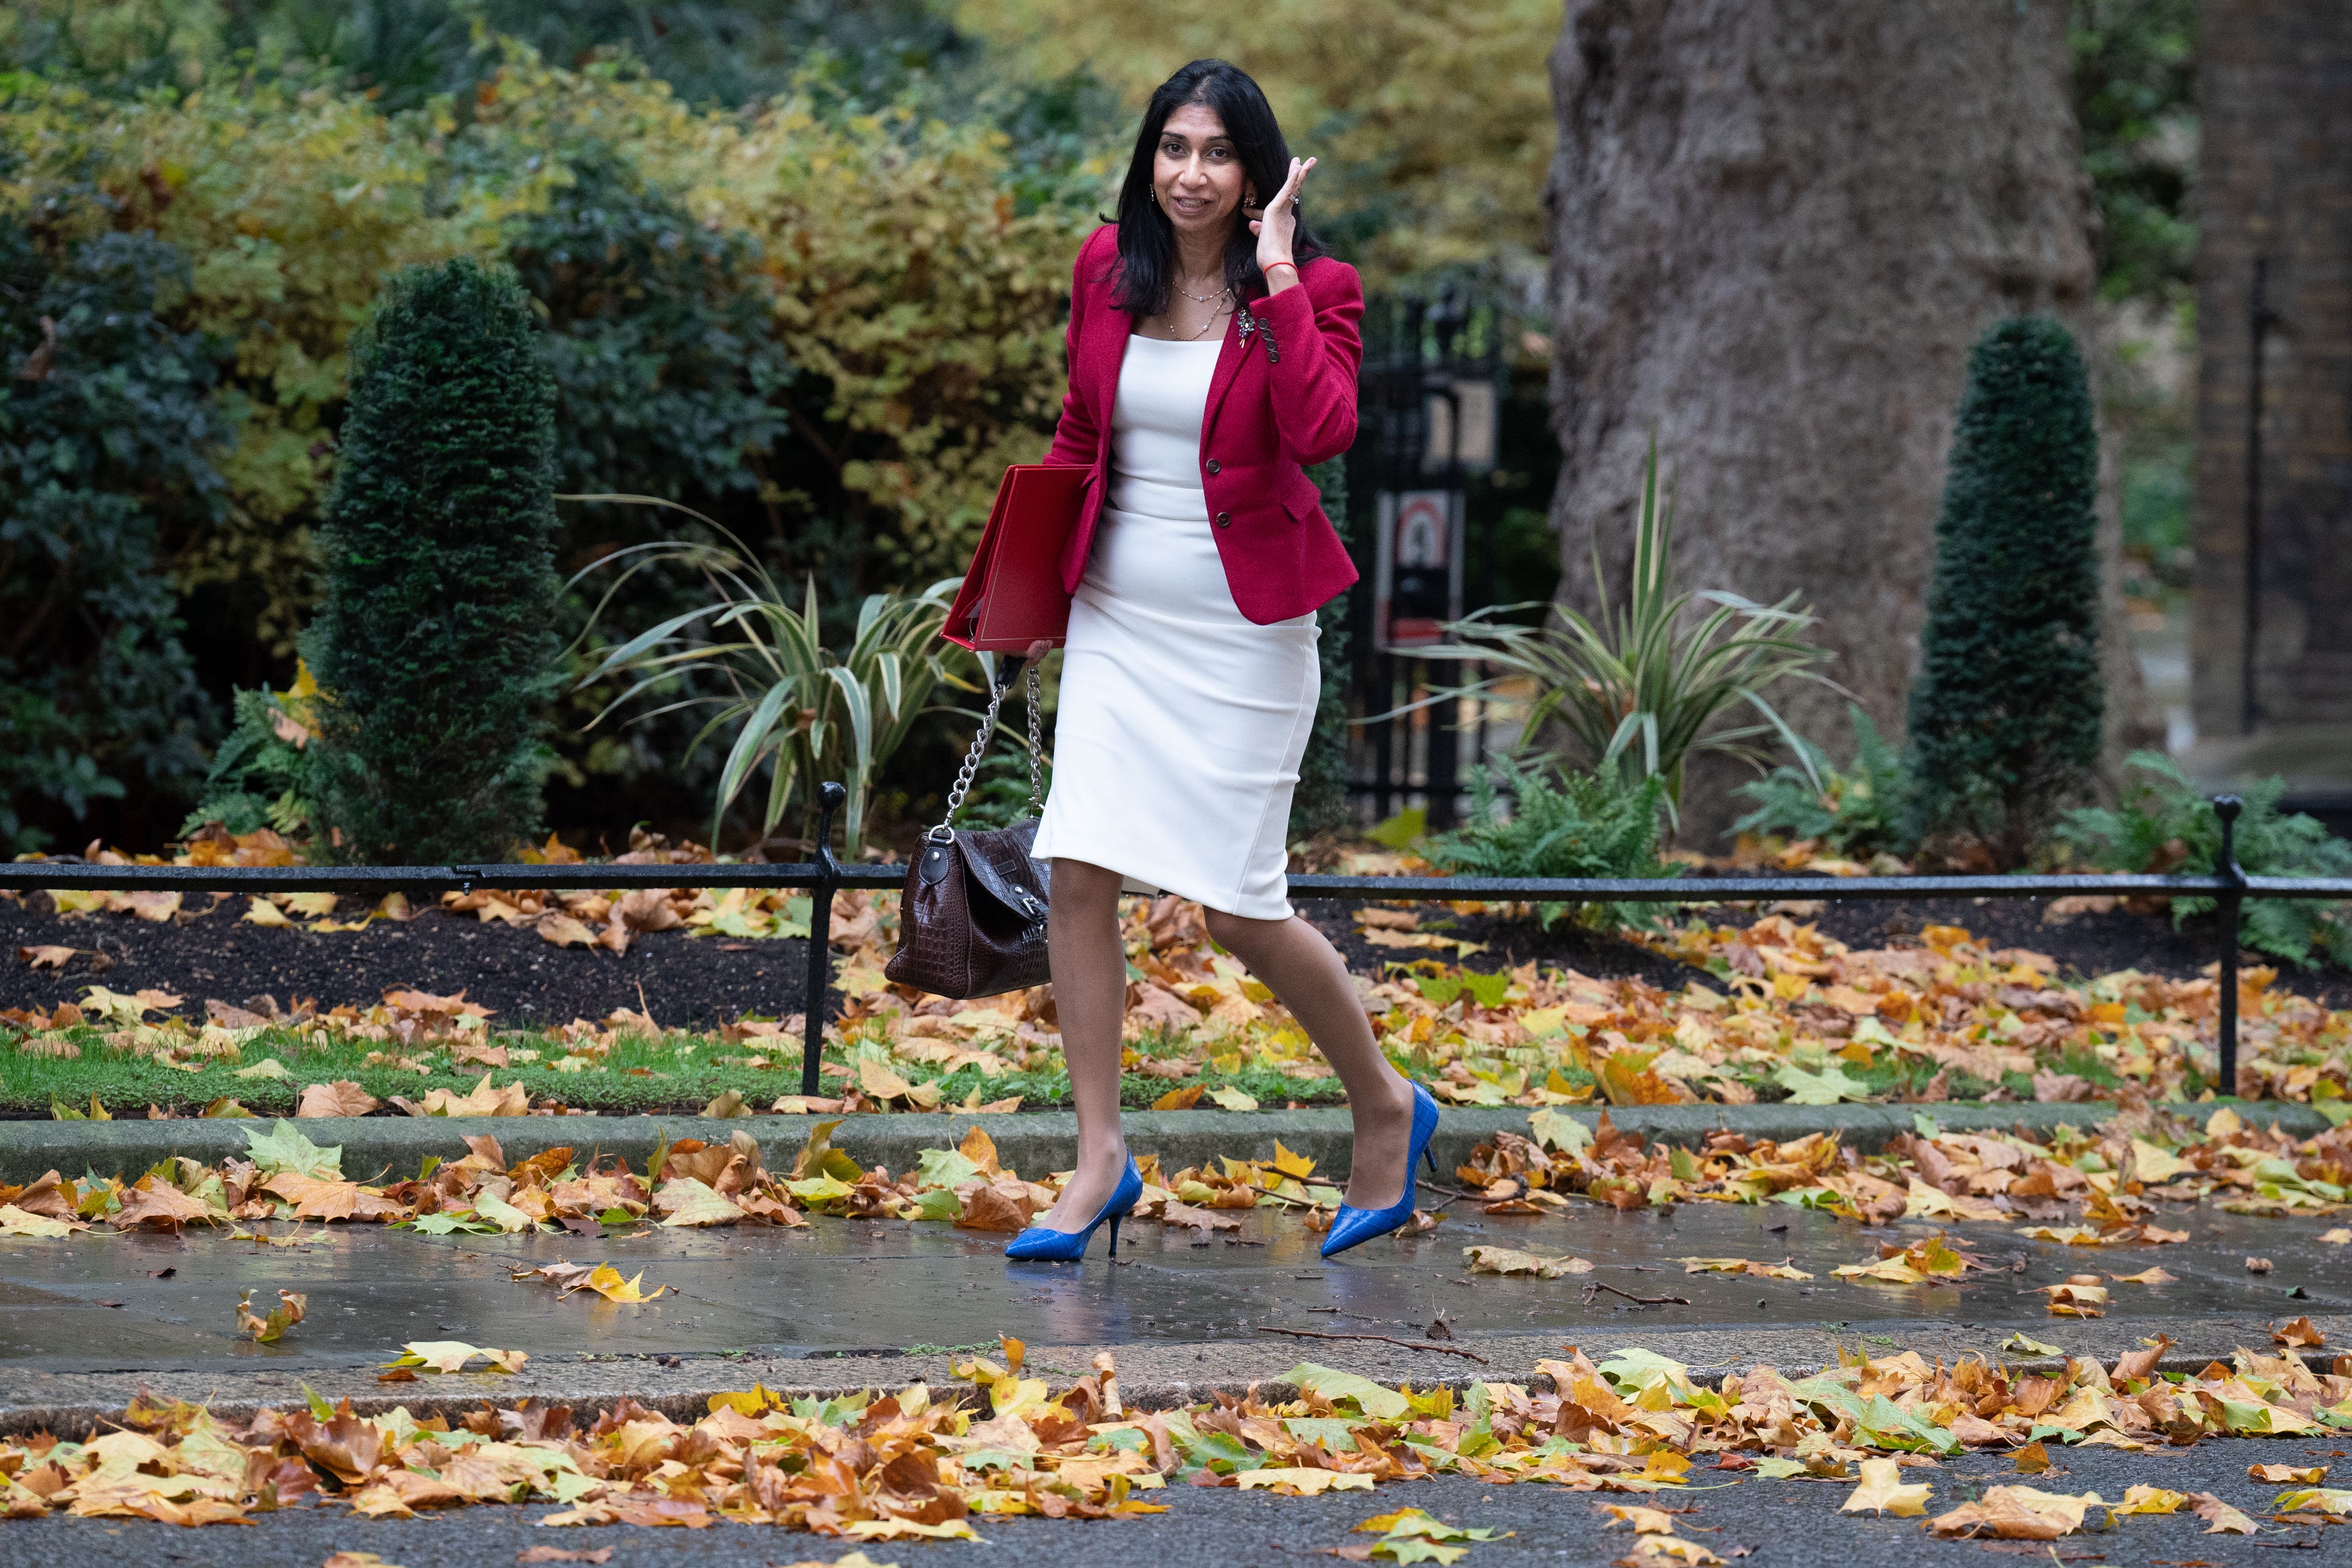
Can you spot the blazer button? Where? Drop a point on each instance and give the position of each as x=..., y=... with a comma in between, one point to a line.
x=1224, y=519
x=1214, y=466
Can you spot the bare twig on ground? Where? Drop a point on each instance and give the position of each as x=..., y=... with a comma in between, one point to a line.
x=1638, y=1301
x=1384, y=1339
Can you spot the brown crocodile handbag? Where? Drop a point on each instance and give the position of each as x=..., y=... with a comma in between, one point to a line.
x=972, y=921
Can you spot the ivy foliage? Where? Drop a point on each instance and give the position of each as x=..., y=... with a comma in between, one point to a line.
x=435, y=648
x=1320, y=804
x=666, y=373
x=2165, y=823
x=2134, y=82
x=107, y=420
x=2005, y=714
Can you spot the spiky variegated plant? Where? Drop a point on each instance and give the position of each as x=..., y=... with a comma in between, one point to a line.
x=807, y=713
x=1639, y=689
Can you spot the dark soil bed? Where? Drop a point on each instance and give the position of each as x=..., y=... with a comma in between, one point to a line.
x=701, y=982
x=523, y=979
x=2084, y=946
x=706, y=981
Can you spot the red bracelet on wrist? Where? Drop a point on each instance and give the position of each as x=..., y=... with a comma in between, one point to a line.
x=1292, y=265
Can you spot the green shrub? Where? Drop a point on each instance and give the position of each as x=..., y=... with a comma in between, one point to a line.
x=435, y=645
x=108, y=425
x=659, y=334
x=1563, y=823
x=2006, y=710
x=2167, y=824
x=1855, y=812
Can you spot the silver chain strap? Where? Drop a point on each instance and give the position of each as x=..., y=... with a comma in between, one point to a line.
x=1036, y=745
x=945, y=831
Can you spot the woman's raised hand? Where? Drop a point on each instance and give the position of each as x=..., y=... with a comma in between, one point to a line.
x=1278, y=222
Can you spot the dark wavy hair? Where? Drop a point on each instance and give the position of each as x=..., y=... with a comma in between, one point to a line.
x=1147, y=240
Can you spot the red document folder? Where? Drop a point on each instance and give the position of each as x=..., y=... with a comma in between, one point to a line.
x=1011, y=596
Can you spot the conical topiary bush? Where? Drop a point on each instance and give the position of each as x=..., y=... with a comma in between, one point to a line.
x=2005, y=714
x=436, y=644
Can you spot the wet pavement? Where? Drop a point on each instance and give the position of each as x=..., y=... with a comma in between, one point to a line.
x=142, y=1302
x=1774, y=1525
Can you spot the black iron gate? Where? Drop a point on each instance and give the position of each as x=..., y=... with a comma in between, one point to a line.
x=1431, y=387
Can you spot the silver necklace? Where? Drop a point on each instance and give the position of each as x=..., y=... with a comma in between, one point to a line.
x=1214, y=317
x=1203, y=299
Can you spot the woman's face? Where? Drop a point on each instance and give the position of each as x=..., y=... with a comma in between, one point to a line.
x=1197, y=174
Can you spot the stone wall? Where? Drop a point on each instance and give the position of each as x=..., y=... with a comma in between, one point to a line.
x=2274, y=93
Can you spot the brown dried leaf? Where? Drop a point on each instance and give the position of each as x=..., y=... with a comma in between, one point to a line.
x=997, y=1209
x=341, y=1098
x=563, y=930
x=2301, y=1333
x=268, y=1330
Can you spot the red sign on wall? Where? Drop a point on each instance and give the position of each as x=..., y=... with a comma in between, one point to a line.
x=1417, y=570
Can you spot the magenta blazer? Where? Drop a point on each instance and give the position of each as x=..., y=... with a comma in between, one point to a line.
x=1284, y=398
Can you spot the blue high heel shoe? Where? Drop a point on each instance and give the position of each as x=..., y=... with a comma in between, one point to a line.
x=1351, y=1225
x=1062, y=1246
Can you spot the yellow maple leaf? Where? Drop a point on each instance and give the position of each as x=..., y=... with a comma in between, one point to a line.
x=451, y=1355
x=1883, y=1491
x=1292, y=1164
x=606, y=1281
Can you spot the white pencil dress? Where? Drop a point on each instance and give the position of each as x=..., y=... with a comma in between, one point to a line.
x=1181, y=723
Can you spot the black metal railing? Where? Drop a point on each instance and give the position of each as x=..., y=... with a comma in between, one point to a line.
x=2230, y=886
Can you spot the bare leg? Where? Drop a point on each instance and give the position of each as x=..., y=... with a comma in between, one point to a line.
x=1299, y=965
x=1090, y=1001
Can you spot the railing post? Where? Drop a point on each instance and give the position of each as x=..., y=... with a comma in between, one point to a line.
x=2226, y=807
x=819, y=990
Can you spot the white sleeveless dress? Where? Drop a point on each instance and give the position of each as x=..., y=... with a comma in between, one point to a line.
x=1177, y=742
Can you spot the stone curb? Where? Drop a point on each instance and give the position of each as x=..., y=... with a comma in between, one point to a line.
x=1030, y=1141
x=1151, y=1375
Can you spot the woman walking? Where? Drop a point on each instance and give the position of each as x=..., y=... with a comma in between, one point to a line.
x=1212, y=349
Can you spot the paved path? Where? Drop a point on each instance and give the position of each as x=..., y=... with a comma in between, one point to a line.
x=86, y=1323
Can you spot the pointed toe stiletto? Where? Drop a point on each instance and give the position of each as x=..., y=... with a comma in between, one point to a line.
x=1044, y=1242
x=1351, y=1225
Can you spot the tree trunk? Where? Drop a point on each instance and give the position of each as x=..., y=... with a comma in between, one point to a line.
x=1778, y=226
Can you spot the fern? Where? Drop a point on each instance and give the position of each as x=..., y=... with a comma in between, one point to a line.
x=263, y=776
x=1856, y=811
x=1000, y=790
x=1562, y=823
x=2165, y=823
